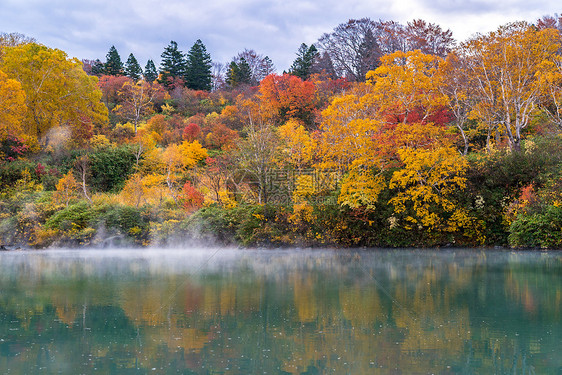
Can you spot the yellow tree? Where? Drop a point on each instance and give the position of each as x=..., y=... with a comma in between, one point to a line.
x=505, y=67
x=258, y=153
x=12, y=106
x=454, y=83
x=136, y=101
x=142, y=142
x=143, y=189
x=348, y=126
x=57, y=91
x=296, y=143
x=177, y=158
x=551, y=83
x=425, y=189
x=67, y=188
x=406, y=86
x=399, y=107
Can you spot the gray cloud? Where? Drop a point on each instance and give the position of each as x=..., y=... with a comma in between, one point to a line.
x=87, y=28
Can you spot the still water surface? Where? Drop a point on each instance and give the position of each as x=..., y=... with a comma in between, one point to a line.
x=222, y=311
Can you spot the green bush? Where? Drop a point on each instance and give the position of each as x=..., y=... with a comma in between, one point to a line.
x=77, y=216
x=494, y=181
x=538, y=230
x=12, y=171
x=125, y=220
x=110, y=168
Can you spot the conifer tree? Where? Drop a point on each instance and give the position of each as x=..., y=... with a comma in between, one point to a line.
x=198, y=75
x=150, y=73
x=113, y=65
x=267, y=67
x=238, y=74
x=173, y=64
x=303, y=63
x=232, y=74
x=132, y=68
x=97, y=68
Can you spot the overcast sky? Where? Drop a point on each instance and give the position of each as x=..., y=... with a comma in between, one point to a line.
x=87, y=28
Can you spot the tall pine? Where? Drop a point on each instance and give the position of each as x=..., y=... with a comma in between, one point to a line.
x=98, y=68
x=239, y=73
x=266, y=68
x=303, y=63
x=150, y=73
x=173, y=64
x=132, y=68
x=198, y=75
x=113, y=65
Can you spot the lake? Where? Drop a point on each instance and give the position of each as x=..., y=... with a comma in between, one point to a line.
x=228, y=311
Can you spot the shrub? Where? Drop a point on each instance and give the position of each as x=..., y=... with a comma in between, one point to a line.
x=538, y=230
x=110, y=167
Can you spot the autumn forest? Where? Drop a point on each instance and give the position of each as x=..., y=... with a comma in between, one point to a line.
x=380, y=134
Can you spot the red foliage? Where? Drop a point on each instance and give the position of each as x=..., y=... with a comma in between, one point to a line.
x=40, y=170
x=220, y=136
x=287, y=96
x=192, y=198
x=110, y=86
x=191, y=132
x=327, y=88
x=439, y=117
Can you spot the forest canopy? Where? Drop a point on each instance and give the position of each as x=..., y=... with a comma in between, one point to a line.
x=380, y=134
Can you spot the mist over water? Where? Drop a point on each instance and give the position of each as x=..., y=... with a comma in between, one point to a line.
x=202, y=310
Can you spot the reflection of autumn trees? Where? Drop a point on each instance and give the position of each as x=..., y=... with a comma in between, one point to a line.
x=342, y=314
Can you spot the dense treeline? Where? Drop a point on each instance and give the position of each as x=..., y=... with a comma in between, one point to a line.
x=380, y=134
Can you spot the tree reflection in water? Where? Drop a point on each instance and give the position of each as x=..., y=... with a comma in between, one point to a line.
x=297, y=312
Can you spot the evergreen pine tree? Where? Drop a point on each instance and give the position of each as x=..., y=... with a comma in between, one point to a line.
x=113, y=65
x=173, y=64
x=267, y=67
x=368, y=55
x=132, y=68
x=303, y=63
x=232, y=74
x=150, y=73
x=98, y=68
x=323, y=65
x=198, y=75
x=238, y=74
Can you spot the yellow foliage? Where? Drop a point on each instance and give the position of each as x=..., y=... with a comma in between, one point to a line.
x=348, y=125
x=226, y=200
x=302, y=213
x=140, y=189
x=67, y=189
x=361, y=188
x=427, y=185
x=192, y=153
x=304, y=187
x=296, y=143
x=513, y=68
x=406, y=82
x=167, y=109
x=12, y=106
x=57, y=90
x=99, y=141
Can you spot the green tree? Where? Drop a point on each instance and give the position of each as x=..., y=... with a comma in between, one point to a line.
x=132, y=68
x=150, y=73
x=198, y=75
x=303, y=63
x=267, y=67
x=239, y=73
x=113, y=65
x=97, y=68
x=173, y=64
